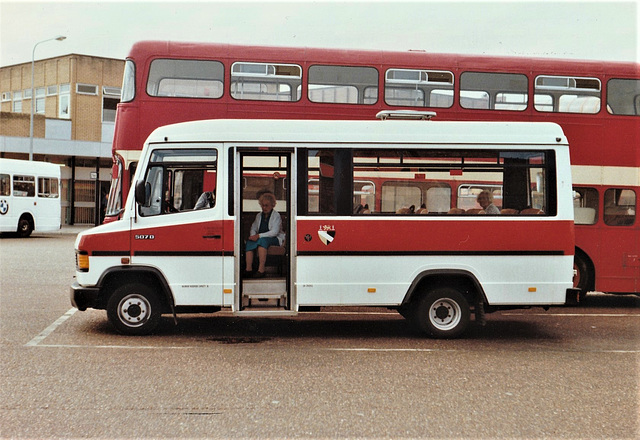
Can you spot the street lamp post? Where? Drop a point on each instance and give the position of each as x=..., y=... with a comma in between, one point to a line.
x=33, y=94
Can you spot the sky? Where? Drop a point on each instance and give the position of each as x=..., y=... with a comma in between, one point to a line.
x=595, y=30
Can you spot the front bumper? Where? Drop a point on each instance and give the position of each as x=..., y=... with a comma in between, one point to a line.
x=83, y=298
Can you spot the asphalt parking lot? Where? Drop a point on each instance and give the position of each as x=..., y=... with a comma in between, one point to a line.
x=562, y=373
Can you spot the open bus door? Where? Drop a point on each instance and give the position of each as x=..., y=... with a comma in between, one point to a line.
x=261, y=172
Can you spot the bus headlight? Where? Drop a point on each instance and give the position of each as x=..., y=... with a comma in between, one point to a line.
x=82, y=261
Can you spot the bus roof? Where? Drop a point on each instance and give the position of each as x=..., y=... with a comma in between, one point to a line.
x=396, y=131
x=193, y=50
x=29, y=167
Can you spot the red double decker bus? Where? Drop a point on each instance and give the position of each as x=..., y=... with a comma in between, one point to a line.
x=597, y=104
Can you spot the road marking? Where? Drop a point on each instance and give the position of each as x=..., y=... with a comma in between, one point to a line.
x=47, y=331
x=393, y=349
x=375, y=350
x=582, y=315
x=129, y=347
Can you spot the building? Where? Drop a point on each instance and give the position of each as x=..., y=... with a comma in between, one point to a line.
x=74, y=117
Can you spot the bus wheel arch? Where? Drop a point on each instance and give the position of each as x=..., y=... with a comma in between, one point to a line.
x=135, y=300
x=134, y=309
x=585, y=277
x=26, y=225
x=439, y=303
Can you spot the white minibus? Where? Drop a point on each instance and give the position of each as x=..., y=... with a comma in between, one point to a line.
x=29, y=196
x=275, y=217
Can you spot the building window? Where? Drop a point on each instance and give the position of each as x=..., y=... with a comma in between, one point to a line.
x=86, y=89
x=110, y=100
x=40, y=100
x=64, y=102
x=6, y=96
x=52, y=90
x=17, y=102
x=109, y=106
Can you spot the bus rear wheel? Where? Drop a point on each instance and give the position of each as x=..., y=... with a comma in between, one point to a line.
x=134, y=309
x=25, y=227
x=583, y=278
x=443, y=313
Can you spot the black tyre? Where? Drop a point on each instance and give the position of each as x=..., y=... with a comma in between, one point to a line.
x=443, y=313
x=25, y=227
x=134, y=309
x=584, y=277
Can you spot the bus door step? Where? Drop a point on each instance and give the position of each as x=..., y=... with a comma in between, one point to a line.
x=265, y=299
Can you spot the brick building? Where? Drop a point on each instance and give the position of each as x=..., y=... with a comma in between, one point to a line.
x=74, y=116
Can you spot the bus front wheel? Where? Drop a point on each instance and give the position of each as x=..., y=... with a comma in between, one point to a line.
x=443, y=313
x=134, y=309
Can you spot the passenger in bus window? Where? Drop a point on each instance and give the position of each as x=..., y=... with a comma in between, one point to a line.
x=485, y=199
x=206, y=200
x=266, y=231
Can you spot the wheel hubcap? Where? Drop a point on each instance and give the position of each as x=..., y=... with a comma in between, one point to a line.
x=445, y=314
x=134, y=310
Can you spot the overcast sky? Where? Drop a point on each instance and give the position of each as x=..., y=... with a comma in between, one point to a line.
x=597, y=30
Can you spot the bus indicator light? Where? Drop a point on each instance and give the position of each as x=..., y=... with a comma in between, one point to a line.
x=533, y=289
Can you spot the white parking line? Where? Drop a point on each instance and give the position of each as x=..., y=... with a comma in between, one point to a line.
x=47, y=331
x=580, y=315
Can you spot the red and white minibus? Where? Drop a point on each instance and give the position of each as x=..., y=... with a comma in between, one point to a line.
x=367, y=217
x=597, y=104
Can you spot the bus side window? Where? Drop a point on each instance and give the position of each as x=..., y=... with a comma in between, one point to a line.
x=5, y=185
x=619, y=207
x=176, y=179
x=585, y=205
x=24, y=186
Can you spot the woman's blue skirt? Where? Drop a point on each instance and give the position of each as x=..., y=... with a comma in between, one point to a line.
x=264, y=242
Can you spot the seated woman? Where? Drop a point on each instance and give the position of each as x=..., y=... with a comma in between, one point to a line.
x=485, y=199
x=266, y=231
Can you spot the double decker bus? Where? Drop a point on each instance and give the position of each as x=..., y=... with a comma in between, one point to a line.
x=596, y=103
x=172, y=255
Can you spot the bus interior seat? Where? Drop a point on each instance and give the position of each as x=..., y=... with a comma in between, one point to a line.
x=584, y=216
x=531, y=211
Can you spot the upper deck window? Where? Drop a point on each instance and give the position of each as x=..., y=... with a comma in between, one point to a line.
x=418, y=88
x=343, y=84
x=265, y=81
x=623, y=97
x=186, y=78
x=493, y=91
x=567, y=94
